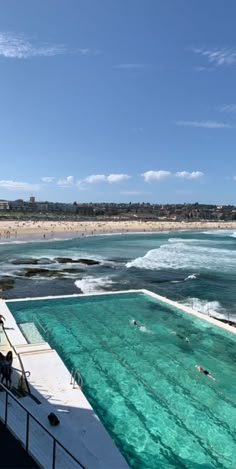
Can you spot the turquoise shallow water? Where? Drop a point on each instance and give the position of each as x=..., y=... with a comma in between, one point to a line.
x=142, y=382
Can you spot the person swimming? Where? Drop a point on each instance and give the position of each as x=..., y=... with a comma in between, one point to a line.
x=134, y=322
x=205, y=372
x=182, y=337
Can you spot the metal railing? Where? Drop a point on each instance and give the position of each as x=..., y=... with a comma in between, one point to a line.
x=38, y=323
x=26, y=443
x=76, y=377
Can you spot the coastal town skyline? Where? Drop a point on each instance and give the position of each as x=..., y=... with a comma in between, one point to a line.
x=118, y=101
x=36, y=209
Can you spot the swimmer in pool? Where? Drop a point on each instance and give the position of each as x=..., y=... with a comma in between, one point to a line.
x=183, y=338
x=135, y=323
x=186, y=339
x=201, y=370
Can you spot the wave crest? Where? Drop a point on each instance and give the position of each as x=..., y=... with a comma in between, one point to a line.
x=91, y=284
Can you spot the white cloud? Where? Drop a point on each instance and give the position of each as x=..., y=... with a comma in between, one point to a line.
x=204, y=69
x=137, y=130
x=102, y=177
x=47, y=179
x=160, y=175
x=18, y=186
x=17, y=46
x=156, y=175
x=131, y=192
x=204, y=124
x=117, y=177
x=234, y=178
x=187, y=175
x=231, y=108
x=130, y=66
x=87, y=51
x=95, y=178
x=218, y=56
x=66, y=182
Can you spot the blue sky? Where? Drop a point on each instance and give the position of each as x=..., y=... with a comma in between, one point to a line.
x=118, y=100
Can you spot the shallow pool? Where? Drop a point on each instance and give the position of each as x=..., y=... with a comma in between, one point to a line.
x=142, y=381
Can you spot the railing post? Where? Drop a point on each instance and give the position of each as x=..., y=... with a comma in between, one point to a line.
x=27, y=433
x=6, y=408
x=54, y=454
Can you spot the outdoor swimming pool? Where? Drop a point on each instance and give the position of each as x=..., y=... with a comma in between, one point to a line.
x=142, y=382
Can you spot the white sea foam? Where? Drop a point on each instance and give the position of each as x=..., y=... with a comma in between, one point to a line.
x=210, y=308
x=91, y=284
x=184, y=255
x=146, y=330
x=191, y=277
x=218, y=232
x=183, y=240
x=141, y=328
x=9, y=241
x=197, y=242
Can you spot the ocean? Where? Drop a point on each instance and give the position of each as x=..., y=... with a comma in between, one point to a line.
x=196, y=268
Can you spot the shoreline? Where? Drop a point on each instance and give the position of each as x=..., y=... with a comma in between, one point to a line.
x=12, y=229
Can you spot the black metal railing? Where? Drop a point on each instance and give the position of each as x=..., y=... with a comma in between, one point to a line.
x=29, y=417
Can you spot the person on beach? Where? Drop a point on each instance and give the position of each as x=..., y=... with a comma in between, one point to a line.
x=201, y=370
x=2, y=319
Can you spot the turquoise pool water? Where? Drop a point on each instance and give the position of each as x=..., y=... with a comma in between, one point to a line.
x=142, y=382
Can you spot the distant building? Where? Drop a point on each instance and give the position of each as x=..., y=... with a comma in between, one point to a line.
x=4, y=205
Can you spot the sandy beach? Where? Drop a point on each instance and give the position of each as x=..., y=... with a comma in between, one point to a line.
x=48, y=229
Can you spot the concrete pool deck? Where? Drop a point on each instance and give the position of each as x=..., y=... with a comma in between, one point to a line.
x=80, y=430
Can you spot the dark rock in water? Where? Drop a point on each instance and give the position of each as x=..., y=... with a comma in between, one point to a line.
x=46, y=272
x=29, y=261
x=45, y=260
x=24, y=261
x=64, y=260
x=6, y=283
x=71, y=271
x=88, y=261
x=49, y=272
x=68, y=260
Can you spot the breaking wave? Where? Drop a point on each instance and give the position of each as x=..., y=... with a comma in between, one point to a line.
x=91, y=284
x=210, y=308
x=191, y=277
x=185, y=255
